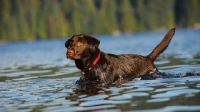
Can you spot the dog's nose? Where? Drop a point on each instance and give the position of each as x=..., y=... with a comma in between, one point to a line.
x=70, y=53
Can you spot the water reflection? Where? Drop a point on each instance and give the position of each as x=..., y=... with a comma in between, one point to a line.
x=139, y=95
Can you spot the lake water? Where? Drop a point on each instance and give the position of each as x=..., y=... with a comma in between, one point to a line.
x=36, y=76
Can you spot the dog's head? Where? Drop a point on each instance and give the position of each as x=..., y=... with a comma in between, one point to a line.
x=81, y=46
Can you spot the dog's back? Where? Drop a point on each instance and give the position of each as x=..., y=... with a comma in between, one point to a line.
x=130, y=66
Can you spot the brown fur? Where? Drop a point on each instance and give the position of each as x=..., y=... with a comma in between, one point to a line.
x=110, y=67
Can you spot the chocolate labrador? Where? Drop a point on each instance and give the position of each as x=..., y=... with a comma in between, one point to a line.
x=100, y=67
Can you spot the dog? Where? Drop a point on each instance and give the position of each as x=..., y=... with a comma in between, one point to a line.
x=100, y=67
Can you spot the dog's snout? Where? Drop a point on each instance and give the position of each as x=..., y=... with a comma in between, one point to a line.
x=70, y=53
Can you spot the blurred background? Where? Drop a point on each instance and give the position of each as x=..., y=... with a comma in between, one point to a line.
x=43, y=19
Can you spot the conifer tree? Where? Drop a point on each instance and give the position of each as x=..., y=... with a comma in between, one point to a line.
x=127, y=21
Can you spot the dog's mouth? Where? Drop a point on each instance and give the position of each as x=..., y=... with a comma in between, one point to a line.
x=69, y=57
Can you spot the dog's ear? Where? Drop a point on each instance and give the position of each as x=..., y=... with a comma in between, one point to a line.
x=92, y=41
x=67, y=43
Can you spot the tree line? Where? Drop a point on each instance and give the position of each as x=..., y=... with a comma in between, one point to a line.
x=42, y=19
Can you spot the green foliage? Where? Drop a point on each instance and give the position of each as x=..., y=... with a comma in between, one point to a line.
x=187, y=12
x=42, y=19
x=126, y=18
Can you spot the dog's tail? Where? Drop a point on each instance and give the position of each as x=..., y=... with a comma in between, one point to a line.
x=162, y=46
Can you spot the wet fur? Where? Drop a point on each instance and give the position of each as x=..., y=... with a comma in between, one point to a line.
x=111, y=67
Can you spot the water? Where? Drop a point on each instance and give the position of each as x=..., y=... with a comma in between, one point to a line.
x=36, y=76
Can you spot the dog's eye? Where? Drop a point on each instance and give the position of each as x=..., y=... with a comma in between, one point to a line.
x=80, y=43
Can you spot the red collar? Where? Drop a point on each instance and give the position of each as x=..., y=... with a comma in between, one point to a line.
x=93, y=65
